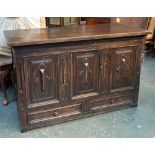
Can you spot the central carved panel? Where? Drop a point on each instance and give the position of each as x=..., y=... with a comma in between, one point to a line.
x=85, y=72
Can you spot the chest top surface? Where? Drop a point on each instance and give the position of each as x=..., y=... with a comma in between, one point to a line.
x=70, y=33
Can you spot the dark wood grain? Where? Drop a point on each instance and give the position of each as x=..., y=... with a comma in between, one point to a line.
x=71, y=33
x=68, y=73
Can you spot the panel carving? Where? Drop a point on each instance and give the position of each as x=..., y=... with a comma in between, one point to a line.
x=85, y=72
x=42, y=78
x=123, y=63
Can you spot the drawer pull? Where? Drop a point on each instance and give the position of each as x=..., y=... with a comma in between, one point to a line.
x=55, y=113
x=94, y=44
x=111, y=102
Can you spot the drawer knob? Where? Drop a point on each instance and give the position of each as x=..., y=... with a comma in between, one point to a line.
x=111, y=101
x=55, y=113
x=94, y=44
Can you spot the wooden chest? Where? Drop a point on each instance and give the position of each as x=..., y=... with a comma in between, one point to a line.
x=68, y=73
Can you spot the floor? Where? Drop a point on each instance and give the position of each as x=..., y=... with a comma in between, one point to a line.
x=131, y=122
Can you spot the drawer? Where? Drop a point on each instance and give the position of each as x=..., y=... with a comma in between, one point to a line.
x=121, y=92
x=120, y=100
x=98, y=103
x=112, y=103
x=54, y=113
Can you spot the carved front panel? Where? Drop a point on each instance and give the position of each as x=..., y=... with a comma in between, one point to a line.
x=42, y=78
x=123, y=67
x=85, y=72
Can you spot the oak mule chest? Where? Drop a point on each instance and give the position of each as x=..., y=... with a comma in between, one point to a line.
x=73, y=72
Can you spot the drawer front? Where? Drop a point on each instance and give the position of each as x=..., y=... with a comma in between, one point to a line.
x=100, y=105
x=53, y=114
x=120, y=100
